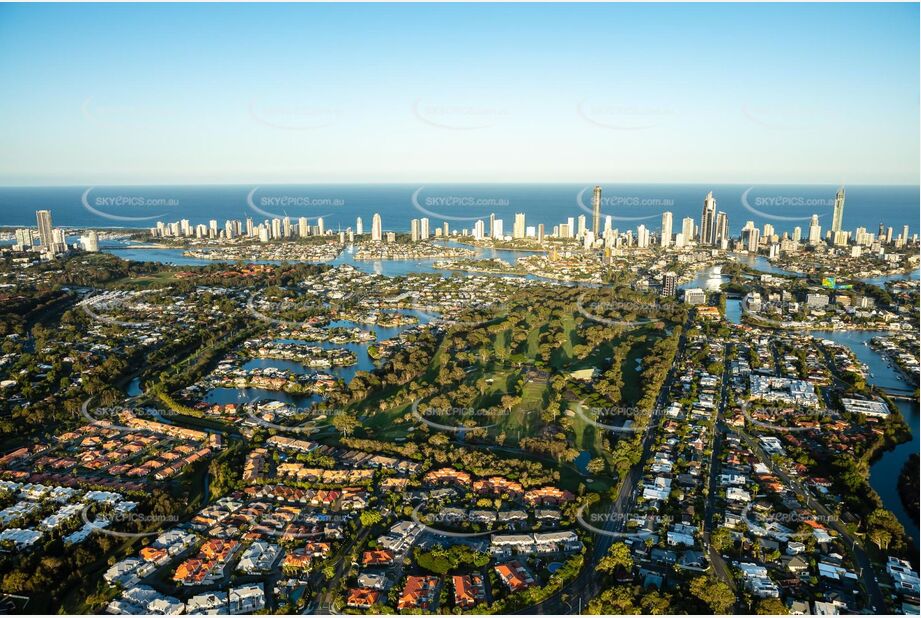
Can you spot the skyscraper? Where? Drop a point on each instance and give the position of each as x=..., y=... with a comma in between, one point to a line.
x=518, y=228
x=414, y=230
x=750, y=237
x=669, y=283
x=596, y=211
x=687, y=229
x=90, y=242
x=376, y=230
x=708, y=221
x=359, y=226
x=424, y=228
x=722, y=228
x=642, y=237
x=666, y=239
x=45, y=229
x=838, y=215
x=815, y=230
x=24, y=238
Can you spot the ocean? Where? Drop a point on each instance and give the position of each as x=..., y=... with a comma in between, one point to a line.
x=630, y=205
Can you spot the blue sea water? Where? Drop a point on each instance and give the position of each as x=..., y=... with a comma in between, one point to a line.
x=631, y=205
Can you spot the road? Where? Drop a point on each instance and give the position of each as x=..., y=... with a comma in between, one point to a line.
x=325, y=600
x=720, y=568
x=861, y=560
x=586, y=585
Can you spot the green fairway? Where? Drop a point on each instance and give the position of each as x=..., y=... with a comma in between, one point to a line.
x=562, y=354
x=632, y=389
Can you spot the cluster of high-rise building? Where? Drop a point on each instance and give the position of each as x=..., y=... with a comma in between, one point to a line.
x=269, y=229
x=49, y=240
x=711, y=231
x=273, y=229
x=753, y=239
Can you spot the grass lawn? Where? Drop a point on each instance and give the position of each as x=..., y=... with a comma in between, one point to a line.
x=585, y=436
x=500, y=345
x=382, y=425
x=524, y=418
x=632, y=391
x=561, y=355
x=534, y=342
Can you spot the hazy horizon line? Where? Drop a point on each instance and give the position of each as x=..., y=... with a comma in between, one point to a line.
x=601, y=183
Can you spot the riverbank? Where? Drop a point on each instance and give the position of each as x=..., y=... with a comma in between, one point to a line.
x=887, y=461
x=910, y=487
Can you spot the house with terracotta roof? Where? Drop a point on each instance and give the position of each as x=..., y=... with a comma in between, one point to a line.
x=156, y=555
x=514, y=575
x=547, y=495
x=496, y=486
x=468, y=590
x=419, y=592
x=447, y=476
x=377, y=557
x=296, y=561
x=363, y=598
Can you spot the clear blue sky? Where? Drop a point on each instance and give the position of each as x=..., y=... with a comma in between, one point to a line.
x=147, y=93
